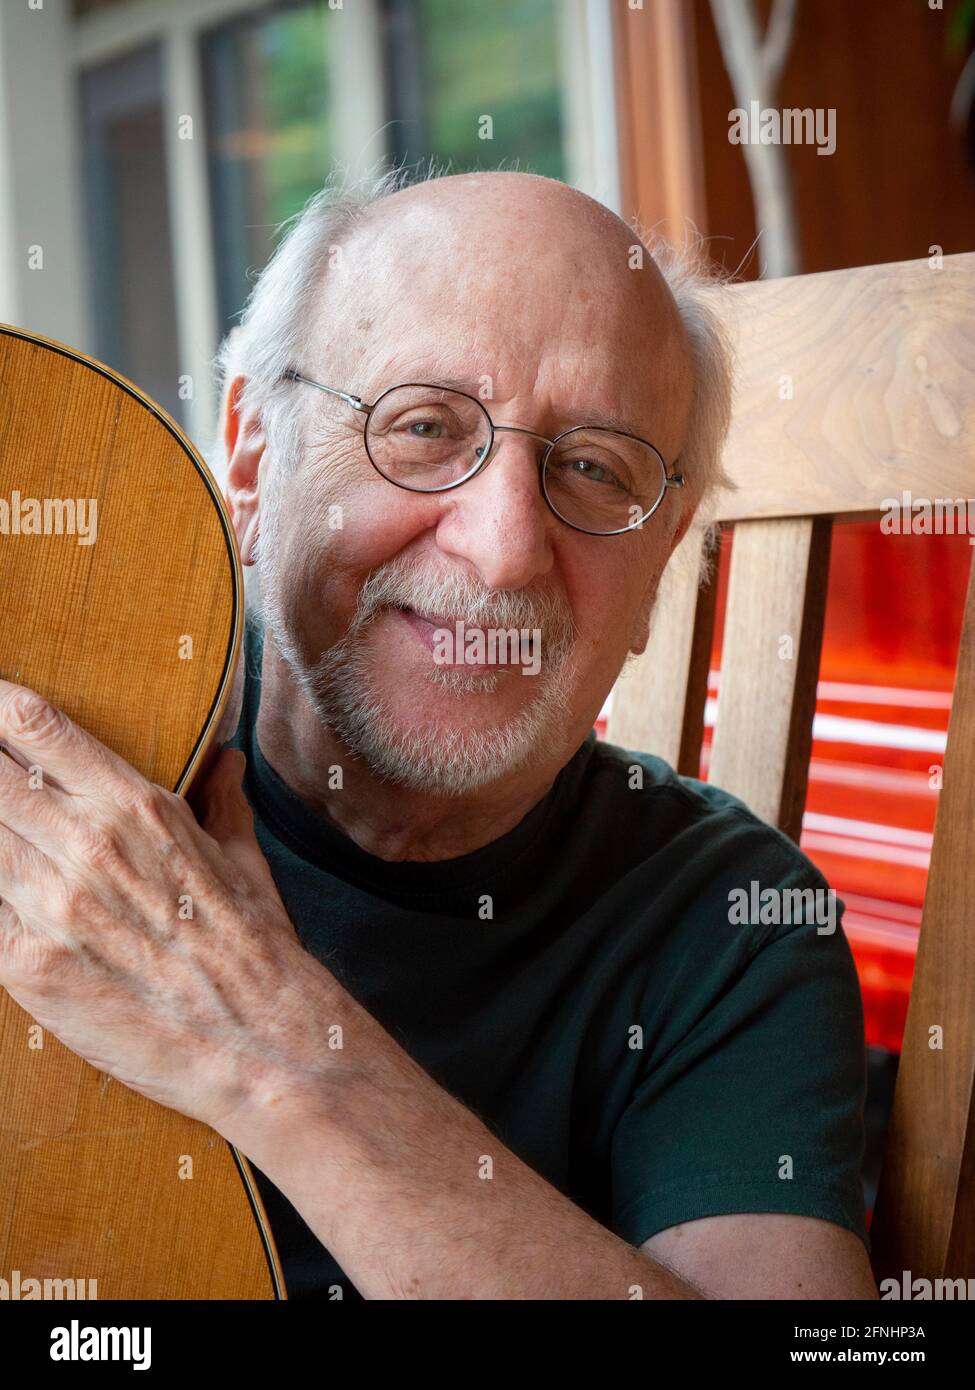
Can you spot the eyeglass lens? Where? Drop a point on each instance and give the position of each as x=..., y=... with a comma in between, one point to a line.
x=428, y=438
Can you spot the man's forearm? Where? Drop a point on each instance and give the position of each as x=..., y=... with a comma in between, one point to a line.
x=413, y=1195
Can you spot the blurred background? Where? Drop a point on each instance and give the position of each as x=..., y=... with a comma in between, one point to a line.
x=150, y=149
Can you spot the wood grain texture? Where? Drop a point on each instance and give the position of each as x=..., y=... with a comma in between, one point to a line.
x=770, y=666
x=658, y=702
x=924, y=1218
x=90, y=1184
x=658, y=116
x=881, y=362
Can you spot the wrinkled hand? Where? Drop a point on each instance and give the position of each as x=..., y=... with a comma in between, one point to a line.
x=155, y=947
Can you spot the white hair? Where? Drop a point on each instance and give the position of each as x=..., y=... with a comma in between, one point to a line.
x=275, y=322
x=699, y=288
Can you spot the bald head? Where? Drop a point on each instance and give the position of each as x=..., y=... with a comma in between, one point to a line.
x=481, y=274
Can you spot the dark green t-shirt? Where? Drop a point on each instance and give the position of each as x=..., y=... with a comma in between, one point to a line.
x=583, y=985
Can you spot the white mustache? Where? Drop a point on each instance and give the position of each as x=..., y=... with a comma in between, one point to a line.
x=456, y=596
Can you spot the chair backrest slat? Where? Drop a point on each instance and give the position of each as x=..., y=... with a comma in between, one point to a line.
x=924, y=1218
x=770, y=665
x=852, y=386
x=658, y=705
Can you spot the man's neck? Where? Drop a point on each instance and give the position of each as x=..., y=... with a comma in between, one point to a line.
x=387, y=820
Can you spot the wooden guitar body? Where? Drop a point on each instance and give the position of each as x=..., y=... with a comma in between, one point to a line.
x=125, y=611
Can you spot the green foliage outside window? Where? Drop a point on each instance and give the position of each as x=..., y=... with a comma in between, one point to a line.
x=498, y=59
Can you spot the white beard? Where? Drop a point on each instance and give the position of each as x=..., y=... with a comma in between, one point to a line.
x=342, y=684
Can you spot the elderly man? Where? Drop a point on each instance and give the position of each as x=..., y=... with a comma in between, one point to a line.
x=463, y=983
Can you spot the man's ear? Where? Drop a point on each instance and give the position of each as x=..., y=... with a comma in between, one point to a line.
x=683, y=525
x=245, y=442
x=640, y=631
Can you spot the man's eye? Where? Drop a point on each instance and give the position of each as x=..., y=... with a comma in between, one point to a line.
x=590, y=471
x=426, y=427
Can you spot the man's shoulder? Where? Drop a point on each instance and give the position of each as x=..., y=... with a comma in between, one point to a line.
x=661, y=810
x=645, y=772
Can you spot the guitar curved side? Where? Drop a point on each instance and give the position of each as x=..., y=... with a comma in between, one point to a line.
x=136, y=635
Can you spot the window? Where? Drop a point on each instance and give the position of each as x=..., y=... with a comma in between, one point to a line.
x=127, y=215
x=283, y=92
x=266, y=85
x=450, y=66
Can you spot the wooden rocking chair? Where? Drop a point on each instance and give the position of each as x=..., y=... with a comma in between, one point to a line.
x=882, y=368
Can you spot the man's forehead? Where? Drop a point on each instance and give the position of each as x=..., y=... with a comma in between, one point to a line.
x=573, y=408
x=619, y=361
x=403, y=264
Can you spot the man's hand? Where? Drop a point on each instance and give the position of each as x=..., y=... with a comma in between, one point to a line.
x=159, y=950
x=155, y=947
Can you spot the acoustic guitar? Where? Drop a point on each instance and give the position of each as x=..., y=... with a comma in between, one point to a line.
x=121, y=602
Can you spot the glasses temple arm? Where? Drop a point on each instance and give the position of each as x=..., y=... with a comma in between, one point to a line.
x=354, y=401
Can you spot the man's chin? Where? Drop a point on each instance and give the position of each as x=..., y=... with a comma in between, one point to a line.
x=439, y=760
x=459, y=703
x=480, y=693
x=447, y=744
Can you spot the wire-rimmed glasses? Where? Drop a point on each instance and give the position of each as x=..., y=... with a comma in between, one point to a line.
x=428, y=438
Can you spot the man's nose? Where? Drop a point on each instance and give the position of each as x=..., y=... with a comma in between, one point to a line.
x=499, y=521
